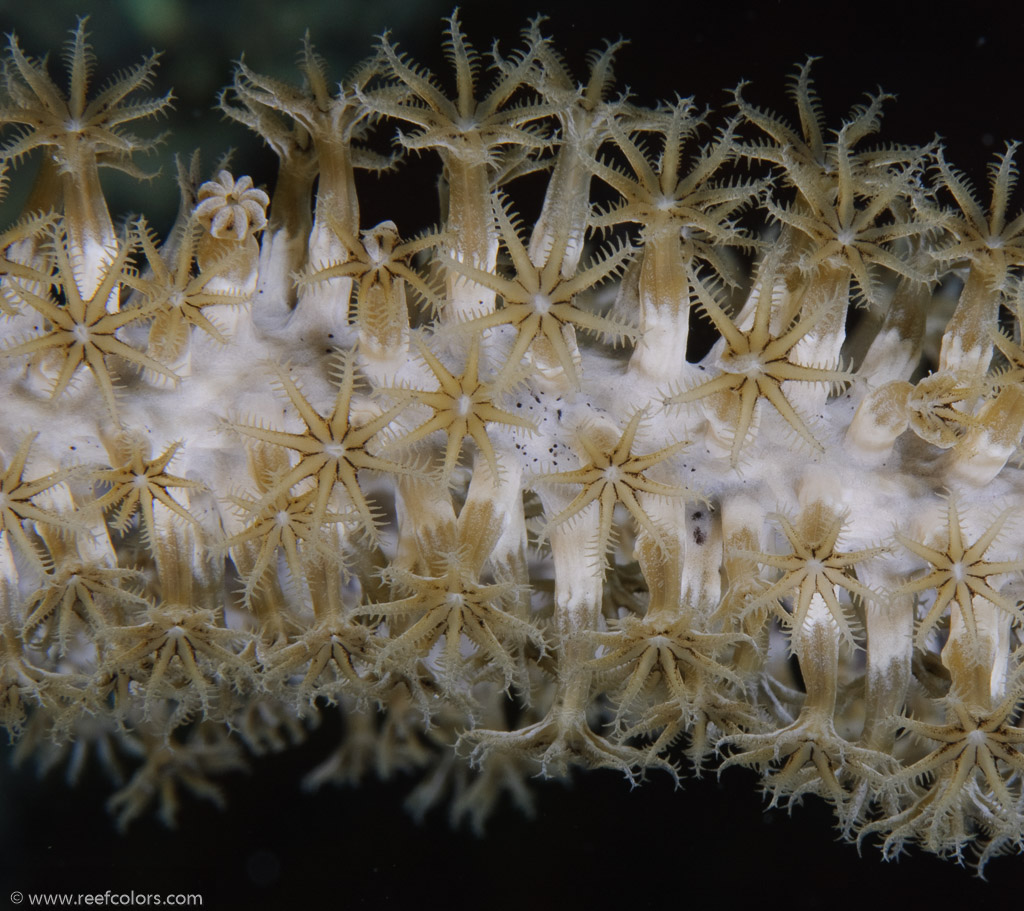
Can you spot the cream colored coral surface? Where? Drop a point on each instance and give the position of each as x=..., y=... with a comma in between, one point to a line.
x=721, y=470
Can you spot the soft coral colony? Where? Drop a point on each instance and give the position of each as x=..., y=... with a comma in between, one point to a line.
x=467, y=489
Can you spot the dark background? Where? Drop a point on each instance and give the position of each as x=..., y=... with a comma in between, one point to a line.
x=956, y=73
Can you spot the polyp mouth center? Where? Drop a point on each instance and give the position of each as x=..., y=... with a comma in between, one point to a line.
x=746, y=364
x=541, y=303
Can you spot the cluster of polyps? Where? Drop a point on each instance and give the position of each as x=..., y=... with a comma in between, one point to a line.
x=468, y=489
